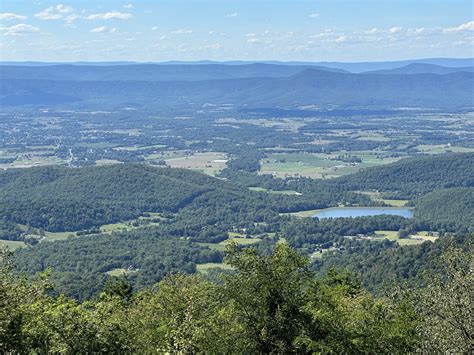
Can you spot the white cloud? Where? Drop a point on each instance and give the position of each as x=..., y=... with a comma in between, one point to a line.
x=234, y=14
x=54, y=12
x=211, y=32
x=394, y=29
x=64, y=9
x=154, y=28
x=7, y=16
x=182, y=31
x=128, y=6
x=20, y=29
x=71, y=18
x=101, y=29
x=253, y=40
x=340, y=39
x=110, y=15
x=313, y=15
x=468, y=26
x=371, y=31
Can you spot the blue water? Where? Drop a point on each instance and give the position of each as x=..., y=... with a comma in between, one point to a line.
x=337, y=212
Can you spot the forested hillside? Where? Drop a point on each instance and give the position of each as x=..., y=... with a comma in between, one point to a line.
x=455, y=205
x=81, y=265
x=194, y=213
x=64, y=199
x=308, y=87
x=415, y=176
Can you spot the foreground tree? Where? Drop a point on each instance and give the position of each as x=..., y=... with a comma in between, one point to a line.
x=446, y=304
x=269, y=304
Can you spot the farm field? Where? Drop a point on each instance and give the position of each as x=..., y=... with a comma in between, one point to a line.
x=415, y=239
x=278, y=192
x=55, y=236
x=233, y=237
x=12, y=244
x=318, y=166
x=210, y=163
x=375, y=196
x=204, y=268
x=442, y=148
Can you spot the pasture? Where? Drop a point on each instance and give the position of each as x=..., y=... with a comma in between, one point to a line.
x=204, y=268
x=12, y=244
x=319, y=165
x=415, y=239
x=210, y=163
x=278, y=192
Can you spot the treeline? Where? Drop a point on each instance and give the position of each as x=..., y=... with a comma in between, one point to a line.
x=413, y=177
x=270, y=304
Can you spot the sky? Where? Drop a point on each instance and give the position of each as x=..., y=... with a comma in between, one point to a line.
x=220, y=30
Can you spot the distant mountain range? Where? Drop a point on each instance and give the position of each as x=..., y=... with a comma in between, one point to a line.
x=152, y=72
x=422, y=68
x=245, y=86
x=353, y=67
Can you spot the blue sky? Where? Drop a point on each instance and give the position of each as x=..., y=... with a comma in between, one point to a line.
x=319, y=30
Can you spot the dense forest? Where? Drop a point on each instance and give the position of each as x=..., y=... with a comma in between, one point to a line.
x=270, y=304
x=415, y=176
x=454, y=206
x=196, y=212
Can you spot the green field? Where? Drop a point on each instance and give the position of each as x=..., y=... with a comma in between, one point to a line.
x=204, y=268
x=278, y=192
x=416, y=239
x=233, y=237
x=442, y=148
x=11, y=244
x=210, y=163
x=54, y=236
x=319, y=166
x=375, y=196
x=120, y=272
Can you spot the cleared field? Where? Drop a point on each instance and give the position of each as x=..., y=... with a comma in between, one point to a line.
x=31, y=160
x=319, y=166
x=297, y=164
x=54, y=236
x=134, y=148
x=418, y=238
x=204, y=268
x=233, y=237
x=375, y=196
x=12, y=244
x=442, y=148
x=278, y=192
x=209, y=163
x=120, y=272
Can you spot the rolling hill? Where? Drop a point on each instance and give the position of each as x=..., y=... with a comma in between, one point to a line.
x=307, y=87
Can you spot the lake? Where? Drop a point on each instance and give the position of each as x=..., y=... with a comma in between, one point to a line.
x=337, y=212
